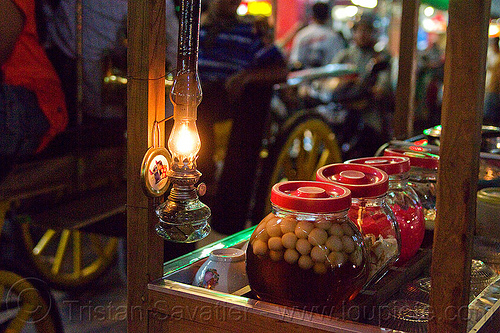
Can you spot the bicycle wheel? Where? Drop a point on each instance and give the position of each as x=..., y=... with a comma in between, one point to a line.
x=305, y=144
x=26, y=303
x=68, y=258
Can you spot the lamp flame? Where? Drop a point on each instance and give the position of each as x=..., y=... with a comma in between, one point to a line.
x=184, y=141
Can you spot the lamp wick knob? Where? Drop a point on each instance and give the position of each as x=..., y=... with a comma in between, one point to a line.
x=201, y=189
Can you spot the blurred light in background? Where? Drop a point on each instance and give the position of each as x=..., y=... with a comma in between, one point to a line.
x=255, y=7
x=494, y=29
x=429, y=11
x=342, y=13
x=365, y=3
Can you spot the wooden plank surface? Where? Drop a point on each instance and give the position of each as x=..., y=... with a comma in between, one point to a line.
x=30, y=179
x=160, y=322
x=459, y=164
x=95, y=167
x=405, y=92
x=95, y=207
x=213, y=312
x=145, y=103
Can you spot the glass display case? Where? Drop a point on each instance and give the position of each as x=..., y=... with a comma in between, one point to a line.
x=399, y=301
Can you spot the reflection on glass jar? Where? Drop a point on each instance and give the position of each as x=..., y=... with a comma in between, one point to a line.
x=307, y=252
x=422, y=178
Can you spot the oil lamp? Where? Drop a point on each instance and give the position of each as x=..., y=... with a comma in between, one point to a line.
x=183, y=217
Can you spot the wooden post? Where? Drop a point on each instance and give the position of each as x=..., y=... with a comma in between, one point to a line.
x=459, y=163
x=145, y=103
x=405, y=91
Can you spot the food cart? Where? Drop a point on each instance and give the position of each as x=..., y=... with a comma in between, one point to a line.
x=157, y=305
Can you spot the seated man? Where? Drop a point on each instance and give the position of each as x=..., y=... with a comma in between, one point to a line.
x=373, y=81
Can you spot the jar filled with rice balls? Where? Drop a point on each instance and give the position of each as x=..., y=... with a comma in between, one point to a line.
x=307, y=252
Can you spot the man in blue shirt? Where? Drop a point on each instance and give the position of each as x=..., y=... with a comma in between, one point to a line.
x=237, y=70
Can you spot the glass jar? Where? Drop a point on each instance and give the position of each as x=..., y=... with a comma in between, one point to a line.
x=307, y=252
x=422, y=178
x=488, y=213
x=369, y=211
x=403, y=201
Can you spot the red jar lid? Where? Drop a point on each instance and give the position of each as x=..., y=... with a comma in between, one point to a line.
x=311, y=196
x=364, y=181
x=392, y=165
x=417, y=159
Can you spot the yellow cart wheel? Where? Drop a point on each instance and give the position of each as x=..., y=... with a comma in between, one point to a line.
x=68, y=258
x=309, y=146
x=26, y=302
x=305, y=144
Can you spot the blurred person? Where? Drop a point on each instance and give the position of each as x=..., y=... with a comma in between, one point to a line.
x=374, y=77
x=237, y=68
x=492, y=54
x=317, y=44
x=491, y=114
x=101, y=22
x=429, y=83
x=32, y=106
x=433, y=55
x=263, y=29
x=433, y=62
x=284, y=41
x=103, y=36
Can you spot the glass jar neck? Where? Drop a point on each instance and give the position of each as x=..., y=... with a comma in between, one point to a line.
x=281, y=212
x=422, y=174
x=399, y=180
x=369, y=202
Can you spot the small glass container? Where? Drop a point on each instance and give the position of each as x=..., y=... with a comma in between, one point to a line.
x=488, y=213
x=307, y=252
x=423, y=179
x=403, y=201
x=369, y=211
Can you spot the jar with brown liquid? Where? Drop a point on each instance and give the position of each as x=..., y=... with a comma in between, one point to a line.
x=307, y=252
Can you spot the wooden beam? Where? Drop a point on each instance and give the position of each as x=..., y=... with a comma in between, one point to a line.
x=405, y=91
x=145, y=103
x=459, y=163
